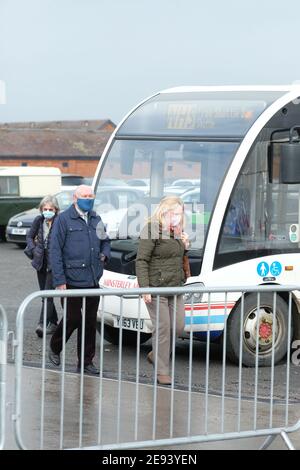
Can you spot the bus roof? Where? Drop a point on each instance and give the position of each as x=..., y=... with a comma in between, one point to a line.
x=204, y=111
x=191, y=89
x=28, y=171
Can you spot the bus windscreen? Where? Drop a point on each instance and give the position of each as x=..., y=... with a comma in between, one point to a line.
x=193, y=171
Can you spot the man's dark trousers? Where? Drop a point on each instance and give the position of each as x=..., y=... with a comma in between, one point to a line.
x=74, y=321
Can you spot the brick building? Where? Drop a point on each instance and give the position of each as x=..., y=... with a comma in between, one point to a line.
x=72, y=146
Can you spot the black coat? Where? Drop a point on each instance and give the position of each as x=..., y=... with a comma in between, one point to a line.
x=35, y=248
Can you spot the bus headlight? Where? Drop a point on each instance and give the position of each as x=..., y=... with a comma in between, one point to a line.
x=194, y=298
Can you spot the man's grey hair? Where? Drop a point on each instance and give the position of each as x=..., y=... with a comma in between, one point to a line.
x=49, y=200
x=82, y=187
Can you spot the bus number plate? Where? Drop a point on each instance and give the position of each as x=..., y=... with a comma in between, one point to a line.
x=129, y=323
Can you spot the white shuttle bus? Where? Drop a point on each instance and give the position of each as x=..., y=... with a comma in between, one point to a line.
x=234, y=154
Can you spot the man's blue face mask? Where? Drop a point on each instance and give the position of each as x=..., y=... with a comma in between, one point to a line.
x=86, y=205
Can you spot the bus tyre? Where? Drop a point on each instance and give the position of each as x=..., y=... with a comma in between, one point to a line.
x=129, y=338
x=249, y=330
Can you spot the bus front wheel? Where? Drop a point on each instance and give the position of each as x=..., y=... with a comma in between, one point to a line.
x=264, y=319
x=129, y=338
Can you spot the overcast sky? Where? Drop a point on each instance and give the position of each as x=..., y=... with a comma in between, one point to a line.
x=95, y=59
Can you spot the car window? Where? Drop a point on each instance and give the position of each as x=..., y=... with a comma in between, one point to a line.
x=103, y=197
x=192, y=197
x=72, y=180
x=126, y=198
x=9, y=185
x=113, y=182
x=64, y=199
x=136, y=182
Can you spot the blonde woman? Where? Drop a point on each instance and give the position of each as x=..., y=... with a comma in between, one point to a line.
x=159, y=263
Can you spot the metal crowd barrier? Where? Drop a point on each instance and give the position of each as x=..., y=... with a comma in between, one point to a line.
x=3, y=362
x=105, y=413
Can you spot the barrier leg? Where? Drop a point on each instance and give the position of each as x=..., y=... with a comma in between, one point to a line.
x=3, y=363
x=268, y=442
x=287, y=440
x=271, y=438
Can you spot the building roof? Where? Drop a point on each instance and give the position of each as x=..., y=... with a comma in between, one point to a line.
x=55, y=138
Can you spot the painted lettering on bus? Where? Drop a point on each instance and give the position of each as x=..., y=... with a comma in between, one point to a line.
x=116, y=283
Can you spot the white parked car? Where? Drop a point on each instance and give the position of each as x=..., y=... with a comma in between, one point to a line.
x=187, y=183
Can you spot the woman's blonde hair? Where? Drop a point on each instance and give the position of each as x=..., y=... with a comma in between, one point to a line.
x=167, y=204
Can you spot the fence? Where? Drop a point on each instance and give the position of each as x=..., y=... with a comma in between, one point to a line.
x=77, y=411
x=3, y=360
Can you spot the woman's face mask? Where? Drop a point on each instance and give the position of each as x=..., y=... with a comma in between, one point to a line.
x=175, y=220
x=48, y=214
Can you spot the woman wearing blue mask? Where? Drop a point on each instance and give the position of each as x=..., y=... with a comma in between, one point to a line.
x=37, y=249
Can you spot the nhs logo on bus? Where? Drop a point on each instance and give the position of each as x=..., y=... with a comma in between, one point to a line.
x=263, y=269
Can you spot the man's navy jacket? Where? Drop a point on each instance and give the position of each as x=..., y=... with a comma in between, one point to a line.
x=76, y=248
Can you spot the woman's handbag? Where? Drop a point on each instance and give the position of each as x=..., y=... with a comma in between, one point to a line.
x=28, y=252
x=29, y=247
x=186, y=266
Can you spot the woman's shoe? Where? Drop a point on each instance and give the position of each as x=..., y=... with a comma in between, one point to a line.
x=164, y=380
x=150, y=358
x=54, y=358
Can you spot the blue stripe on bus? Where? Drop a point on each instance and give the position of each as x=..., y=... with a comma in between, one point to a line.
x=202, y=335
x=197, y=320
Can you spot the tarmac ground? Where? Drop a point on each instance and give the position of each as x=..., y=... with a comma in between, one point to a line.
x=132, y=427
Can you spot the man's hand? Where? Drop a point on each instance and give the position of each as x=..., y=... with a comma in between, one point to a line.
x=62, y=287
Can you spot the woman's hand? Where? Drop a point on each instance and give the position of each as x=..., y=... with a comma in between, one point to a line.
x=185, y=240
x=147, y=298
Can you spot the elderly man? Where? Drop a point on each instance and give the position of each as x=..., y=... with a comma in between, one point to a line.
x=79, y=249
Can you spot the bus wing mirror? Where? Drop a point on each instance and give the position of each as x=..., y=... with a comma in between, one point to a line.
x=290, y=163
x=289, y=160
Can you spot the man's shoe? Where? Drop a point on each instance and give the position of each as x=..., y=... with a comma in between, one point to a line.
x=164, y=380
x=39, y=330
x=150, y=358
x=54, y=358
x=91, y=369
x=51, y=327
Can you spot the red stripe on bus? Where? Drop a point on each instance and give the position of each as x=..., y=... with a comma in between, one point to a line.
x=212, y=307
